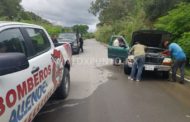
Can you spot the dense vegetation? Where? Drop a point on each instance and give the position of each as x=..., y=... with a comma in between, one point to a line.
x=177, y=21
x=79, y=28
x=118, y=17
x=125, y=16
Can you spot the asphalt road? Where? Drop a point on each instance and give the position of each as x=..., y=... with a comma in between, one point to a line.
x=101, y=92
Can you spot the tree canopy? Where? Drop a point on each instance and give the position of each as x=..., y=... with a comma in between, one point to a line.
x=10, y=8
x=126, y=16
x=156, y=8
x=111, y=10
x=82, y=29
x=177, y=21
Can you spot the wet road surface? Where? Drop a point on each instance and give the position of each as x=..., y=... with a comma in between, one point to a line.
x=101, y=92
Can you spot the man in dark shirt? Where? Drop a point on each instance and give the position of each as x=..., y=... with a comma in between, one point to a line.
x=81, y=44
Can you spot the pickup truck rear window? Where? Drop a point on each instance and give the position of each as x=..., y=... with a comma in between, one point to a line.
x=39, y=40
x=11, y=40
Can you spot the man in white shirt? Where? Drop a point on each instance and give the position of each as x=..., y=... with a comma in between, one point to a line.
x=116, y=43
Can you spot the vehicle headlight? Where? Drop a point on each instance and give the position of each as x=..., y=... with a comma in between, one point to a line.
x=167, y=61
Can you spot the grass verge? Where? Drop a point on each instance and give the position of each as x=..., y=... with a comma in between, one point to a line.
x=187, y=72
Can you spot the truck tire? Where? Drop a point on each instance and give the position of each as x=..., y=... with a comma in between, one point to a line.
x=116, y=61
x=165, y=74
x=127, y=69
x=63, y=90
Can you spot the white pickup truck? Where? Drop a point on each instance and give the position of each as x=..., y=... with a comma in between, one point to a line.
x=31, y=70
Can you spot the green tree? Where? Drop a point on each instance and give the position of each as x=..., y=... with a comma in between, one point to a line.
x=184, y=42
x=157, y=8
x=121, y=17
x=104, y=32
x=110, y=11
x=10, y=8
x=177, y=21
x=82, y=29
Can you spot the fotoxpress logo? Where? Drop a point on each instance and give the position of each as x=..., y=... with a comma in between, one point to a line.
x=93, y=61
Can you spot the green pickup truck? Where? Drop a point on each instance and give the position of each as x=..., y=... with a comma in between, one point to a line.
x=118, y=49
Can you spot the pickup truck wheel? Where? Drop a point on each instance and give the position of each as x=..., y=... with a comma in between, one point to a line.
x=116, y=62
x=63, y=90
x=165, y=74
x=127, y=69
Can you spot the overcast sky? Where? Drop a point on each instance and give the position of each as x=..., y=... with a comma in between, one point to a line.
x=63, y=12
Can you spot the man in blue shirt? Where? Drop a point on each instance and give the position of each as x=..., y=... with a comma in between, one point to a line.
x=179, y=59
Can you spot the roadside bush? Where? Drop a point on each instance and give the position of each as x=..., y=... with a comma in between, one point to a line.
x=103, y=33
x=51, y=29
x=177, y=21
x=131, y=24
x=184, y=42
x=89, y=36
x=124, y=27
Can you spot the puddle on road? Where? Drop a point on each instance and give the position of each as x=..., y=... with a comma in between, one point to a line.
x=88, y=71
x=87, y=74
x=86, y=82
x=188, y=116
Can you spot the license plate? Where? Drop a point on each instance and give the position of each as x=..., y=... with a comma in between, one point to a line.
x=149, y=68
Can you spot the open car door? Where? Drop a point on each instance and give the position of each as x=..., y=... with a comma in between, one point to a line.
x=118, y=52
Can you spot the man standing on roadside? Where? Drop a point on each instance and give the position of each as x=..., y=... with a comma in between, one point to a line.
x=179, y=59
x=139, y=60
x=81, y=44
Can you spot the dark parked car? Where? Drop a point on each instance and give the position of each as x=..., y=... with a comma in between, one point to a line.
x=71, y=38
x=155, y=60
